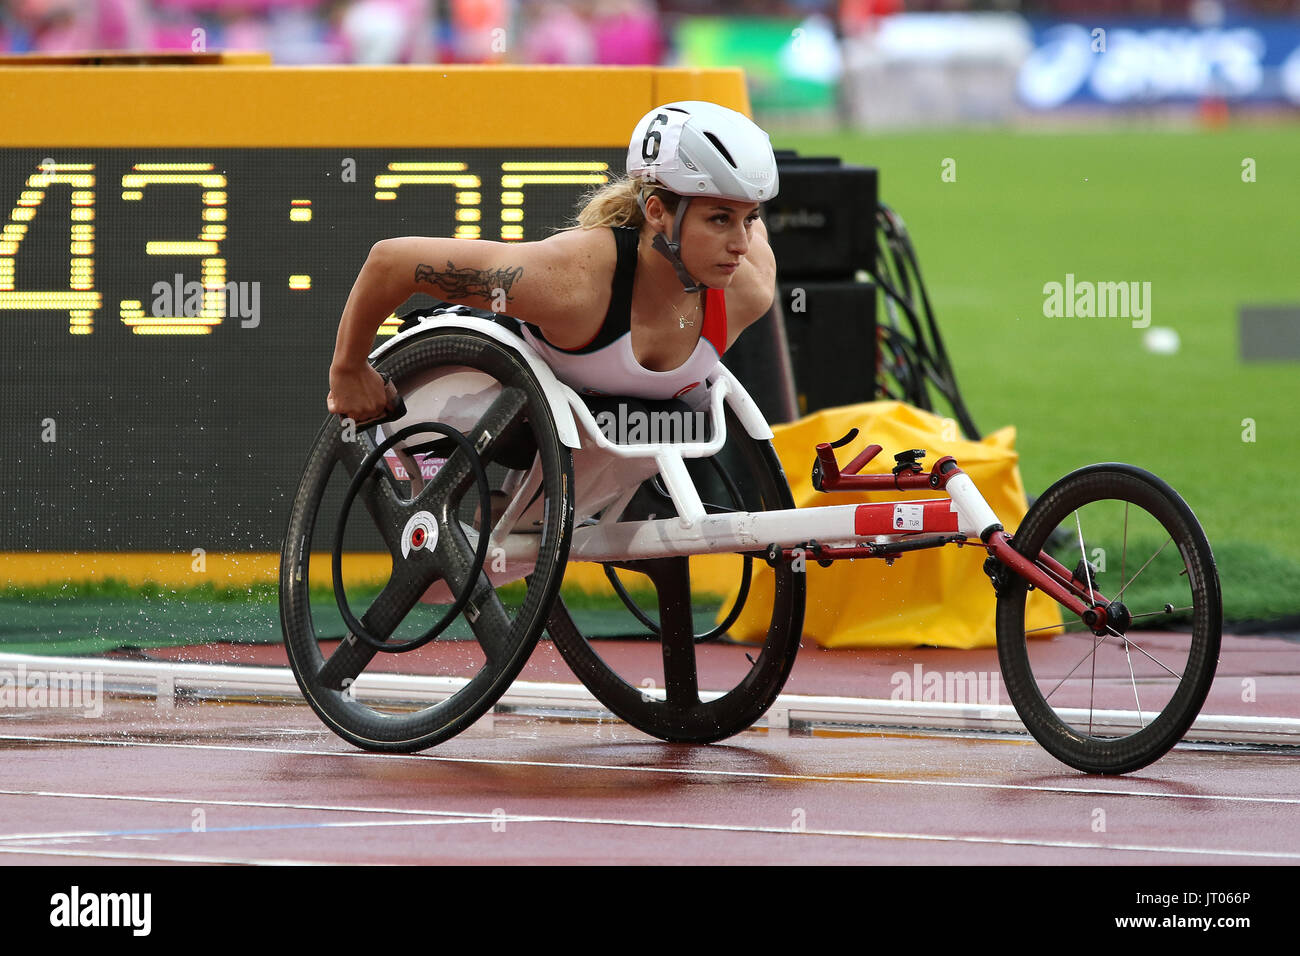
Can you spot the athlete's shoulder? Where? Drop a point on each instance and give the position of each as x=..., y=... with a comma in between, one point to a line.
x=576, y=266
x=751, y=293
x=581, y=249
x=572, y=263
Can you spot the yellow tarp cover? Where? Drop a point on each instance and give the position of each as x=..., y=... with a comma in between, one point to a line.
x=940, y=597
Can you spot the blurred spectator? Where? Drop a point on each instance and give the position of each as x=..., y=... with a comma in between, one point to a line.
x=480, y=30
x=862, y=16
x=558, y=33
x=488, y=31
x=61, y=26
x=626, y=33
x=374, y=31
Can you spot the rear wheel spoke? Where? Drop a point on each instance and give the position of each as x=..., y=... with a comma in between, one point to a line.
x=484, y=612
x=677, y=635
x=378, y=495
x=386, y=612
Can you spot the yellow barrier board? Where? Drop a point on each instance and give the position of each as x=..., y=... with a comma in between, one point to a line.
x=711, y=573
x=235, y=105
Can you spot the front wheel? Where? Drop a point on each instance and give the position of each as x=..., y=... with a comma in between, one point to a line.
x=1113, y=701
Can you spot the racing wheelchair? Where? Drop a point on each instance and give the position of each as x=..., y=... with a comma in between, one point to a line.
x=492, y=475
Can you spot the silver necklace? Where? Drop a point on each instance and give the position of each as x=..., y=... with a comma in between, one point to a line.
x=683, y=322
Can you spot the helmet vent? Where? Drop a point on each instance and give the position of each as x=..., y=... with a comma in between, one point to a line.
x=717, y=144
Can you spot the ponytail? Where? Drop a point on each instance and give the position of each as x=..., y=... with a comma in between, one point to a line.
x=615, y=204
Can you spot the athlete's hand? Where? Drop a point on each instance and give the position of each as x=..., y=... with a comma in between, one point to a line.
x=360, y=393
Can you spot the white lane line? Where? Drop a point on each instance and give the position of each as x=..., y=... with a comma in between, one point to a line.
x=169, y=857
x=710, y=827
x=69, y=836
x=570, y=765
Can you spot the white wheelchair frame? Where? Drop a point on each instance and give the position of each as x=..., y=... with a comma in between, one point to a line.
x=607, y=475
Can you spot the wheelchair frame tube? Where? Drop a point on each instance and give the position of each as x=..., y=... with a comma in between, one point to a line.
x=832, y=525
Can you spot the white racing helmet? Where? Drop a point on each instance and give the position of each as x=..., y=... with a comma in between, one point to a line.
x=693, y=148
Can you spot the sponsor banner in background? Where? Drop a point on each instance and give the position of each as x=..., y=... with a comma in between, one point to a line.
x=1138, y=62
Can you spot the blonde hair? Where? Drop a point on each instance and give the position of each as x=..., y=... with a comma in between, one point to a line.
x=615, y=204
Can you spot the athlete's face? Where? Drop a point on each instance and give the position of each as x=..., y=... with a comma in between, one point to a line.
x=715, y=236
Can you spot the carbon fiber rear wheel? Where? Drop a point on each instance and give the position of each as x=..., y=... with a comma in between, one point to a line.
x=424, y=511
x=709, y=690
x=1114, y=701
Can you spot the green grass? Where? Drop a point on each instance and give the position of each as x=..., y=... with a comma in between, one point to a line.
x=109, y=589
x=1169, y=208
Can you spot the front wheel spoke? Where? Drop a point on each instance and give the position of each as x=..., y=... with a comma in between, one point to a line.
x=1129, y=642
x=1092, y=686
x=1083, y=554
x=1133, y=680
x=1141, y=569
x=1163, y=612
x=1051, y=627
x=1092, y=653
x=1123, y=555
x=1066, y=584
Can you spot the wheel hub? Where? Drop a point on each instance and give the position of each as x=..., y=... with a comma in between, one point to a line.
x=420, y=533
x=1118, y=616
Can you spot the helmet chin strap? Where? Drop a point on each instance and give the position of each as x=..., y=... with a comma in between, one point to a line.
x=670, y=249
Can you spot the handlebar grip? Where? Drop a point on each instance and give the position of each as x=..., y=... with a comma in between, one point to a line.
x=857, y=464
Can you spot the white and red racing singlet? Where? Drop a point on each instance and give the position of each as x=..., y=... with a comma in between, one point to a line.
x=607, y=366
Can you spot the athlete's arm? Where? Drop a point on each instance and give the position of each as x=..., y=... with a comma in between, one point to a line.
x=540, y=282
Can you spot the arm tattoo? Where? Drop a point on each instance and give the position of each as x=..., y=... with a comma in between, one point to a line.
x=467, y=283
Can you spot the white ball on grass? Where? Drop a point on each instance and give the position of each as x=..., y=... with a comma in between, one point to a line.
x=1161, y=341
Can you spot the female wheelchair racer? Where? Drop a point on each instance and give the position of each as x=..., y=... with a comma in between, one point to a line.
x=638, y=303
x=697, y=173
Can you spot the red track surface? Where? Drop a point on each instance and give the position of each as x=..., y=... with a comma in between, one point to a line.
x=1266, y=669
x=269, y=783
